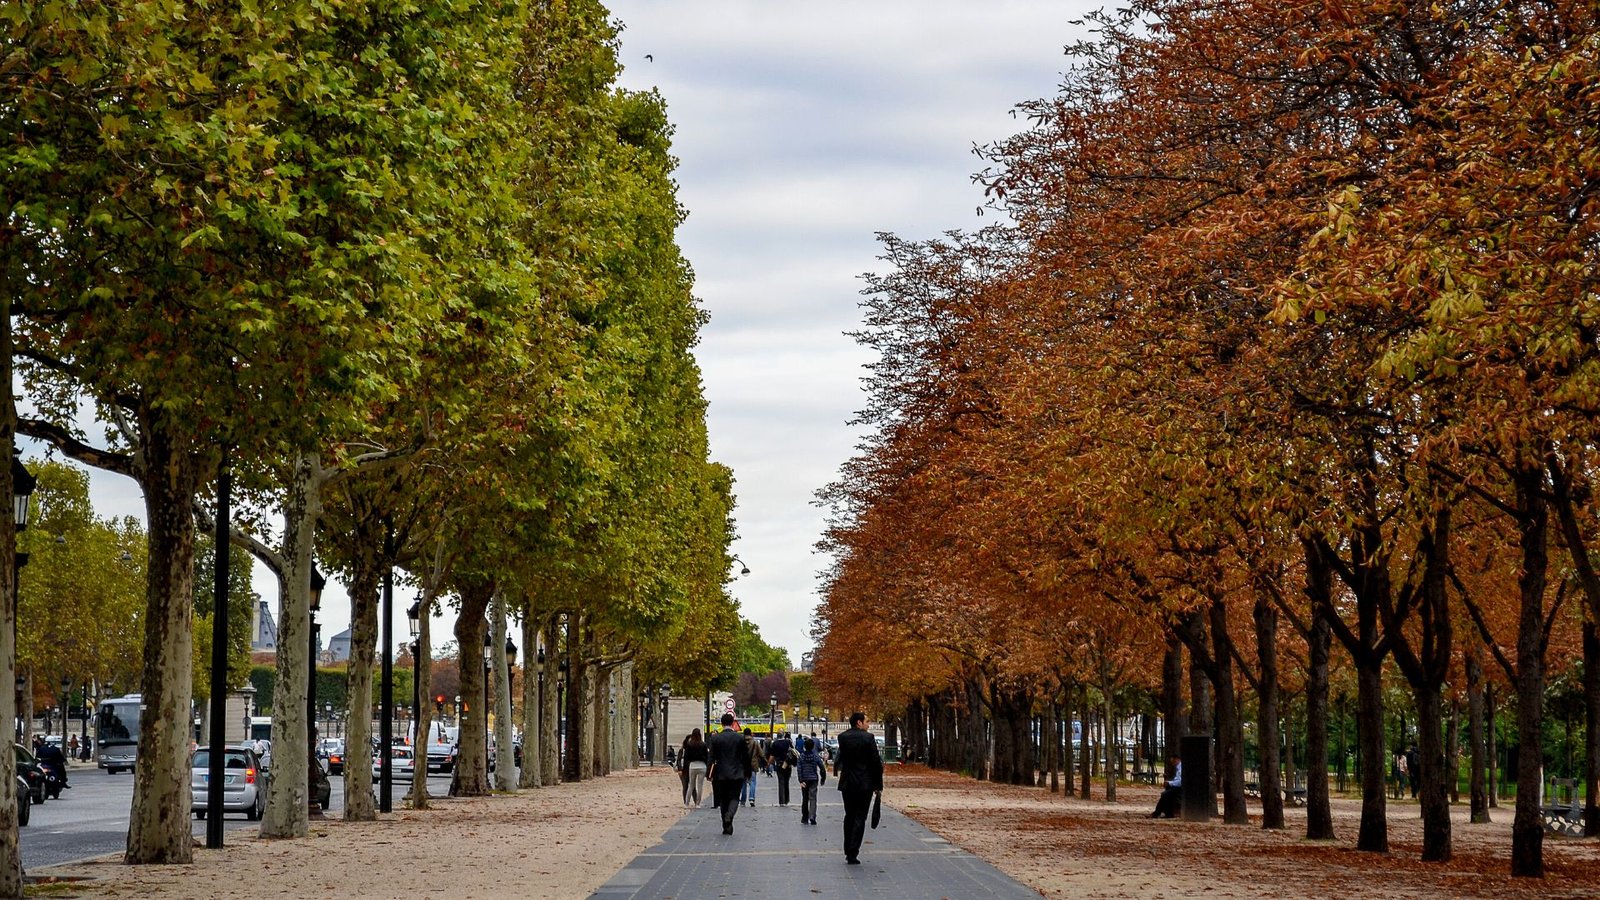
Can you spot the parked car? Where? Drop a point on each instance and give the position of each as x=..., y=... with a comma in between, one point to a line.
x=28, y=769
x=402, y=764
x=24, y=802
x=244, y=786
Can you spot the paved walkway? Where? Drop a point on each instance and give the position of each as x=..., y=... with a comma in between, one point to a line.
x=771, y=855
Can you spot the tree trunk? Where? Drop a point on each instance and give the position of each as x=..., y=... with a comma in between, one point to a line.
x=1230, y=726
x=1067, y=788
x=10, y=846
x=1108, y=710
x=1478, y=745
x=1452, y=753
x=1431, y=792
x=1373, y=835
x=572, y=757
x=1591, y=718
x=505, y=757
x=1527, y=830
x=1175, y=723
x=289, y=791
x=1050, y=747
x=471, y=777
x=358, y=760
x=1086, y=747
x=1319, y=812
x=1267, y=715
x=550, y=712
x=159, y=829
x=532, y=702
x=424, y=730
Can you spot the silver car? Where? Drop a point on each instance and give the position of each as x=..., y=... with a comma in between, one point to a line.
x=244, y=787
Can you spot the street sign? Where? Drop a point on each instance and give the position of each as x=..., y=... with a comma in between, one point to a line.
x=727, y=705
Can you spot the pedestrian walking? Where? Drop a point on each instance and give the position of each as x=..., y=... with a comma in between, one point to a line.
x=754, y=751
x=730, y=767
x=812, y=773
x=1413, y=768
x=693, y=758
x=781, y=756
x=859, y=769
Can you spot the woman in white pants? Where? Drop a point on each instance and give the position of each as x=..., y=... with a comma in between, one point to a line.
x=694, y=757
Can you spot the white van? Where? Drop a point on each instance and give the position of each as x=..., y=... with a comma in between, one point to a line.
x=442, y=747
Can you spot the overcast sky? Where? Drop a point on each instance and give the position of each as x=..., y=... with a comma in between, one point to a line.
x=803, y=129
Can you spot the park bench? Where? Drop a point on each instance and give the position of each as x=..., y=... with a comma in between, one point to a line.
x=1565, y=816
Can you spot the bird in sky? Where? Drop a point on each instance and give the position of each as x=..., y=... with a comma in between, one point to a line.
x=649, y=58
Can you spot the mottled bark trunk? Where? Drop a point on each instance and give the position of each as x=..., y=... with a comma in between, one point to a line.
x=289, y=790
x=424, y=676
x=358, y=759
x=1266, y=620
x=471, y=778
x=159, y=827
x=504, y=765
x=1477, y=741
x=550, y=710
x=532, y=774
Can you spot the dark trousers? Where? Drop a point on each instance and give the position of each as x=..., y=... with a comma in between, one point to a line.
x=808, y=800
x=725, y=793
x=683, y=776
x=783, y=785
x=1167, y=807
x=857, y=806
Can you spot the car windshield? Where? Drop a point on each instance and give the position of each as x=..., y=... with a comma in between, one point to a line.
x=234, y=759
x=24, y=756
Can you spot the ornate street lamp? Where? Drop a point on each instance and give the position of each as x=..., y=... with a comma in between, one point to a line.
x=314, y=782
x=414, y=622
x=22, y=484
x=666, y=700
x=743, y=569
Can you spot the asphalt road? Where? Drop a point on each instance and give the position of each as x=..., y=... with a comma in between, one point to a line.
x=91, y=818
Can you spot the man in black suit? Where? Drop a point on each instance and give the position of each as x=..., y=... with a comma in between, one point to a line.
x=730, y=765
x=859, y=769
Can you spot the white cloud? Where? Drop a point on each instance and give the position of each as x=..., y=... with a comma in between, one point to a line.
x=803, y=129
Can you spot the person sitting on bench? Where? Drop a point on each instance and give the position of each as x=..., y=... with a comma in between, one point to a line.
x=1172, y=796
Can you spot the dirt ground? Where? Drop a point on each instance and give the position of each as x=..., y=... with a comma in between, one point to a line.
x=568, y=840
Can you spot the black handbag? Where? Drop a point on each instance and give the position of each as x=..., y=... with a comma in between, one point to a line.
x=877, y=809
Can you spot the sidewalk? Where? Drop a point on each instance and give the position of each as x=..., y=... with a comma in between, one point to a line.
x=771, y=855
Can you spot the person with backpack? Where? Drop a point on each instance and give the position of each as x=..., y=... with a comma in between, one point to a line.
x=753, y=750
x=781, y=756
x=812, y=772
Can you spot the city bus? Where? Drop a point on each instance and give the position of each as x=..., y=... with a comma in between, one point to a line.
x=116, y=733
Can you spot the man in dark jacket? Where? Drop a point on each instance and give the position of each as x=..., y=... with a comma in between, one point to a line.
x=730, y=765
x=780, y=756
x=860, y=772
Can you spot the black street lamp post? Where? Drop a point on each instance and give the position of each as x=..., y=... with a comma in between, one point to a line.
x=419, y=747
x=22, y=484
x=666, y=700
x=314, y=772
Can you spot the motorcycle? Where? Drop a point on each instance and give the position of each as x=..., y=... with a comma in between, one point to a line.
x=55, y=778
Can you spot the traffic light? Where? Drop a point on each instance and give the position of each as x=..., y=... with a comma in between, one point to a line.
x=438, y=703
